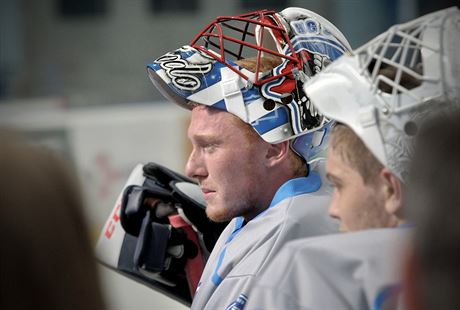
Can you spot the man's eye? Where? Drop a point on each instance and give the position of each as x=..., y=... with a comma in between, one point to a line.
x=209, y=147
x=335, y=185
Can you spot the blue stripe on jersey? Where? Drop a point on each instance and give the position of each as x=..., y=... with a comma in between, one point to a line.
x=238, y=225
x=216, y=279
x=296, y=187
x=389, y=292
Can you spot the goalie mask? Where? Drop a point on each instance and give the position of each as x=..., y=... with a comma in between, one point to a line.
x=386, y=89
x=214, y=69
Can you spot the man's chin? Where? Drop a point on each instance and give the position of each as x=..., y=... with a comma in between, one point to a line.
x=217, y=215
x=218, y=218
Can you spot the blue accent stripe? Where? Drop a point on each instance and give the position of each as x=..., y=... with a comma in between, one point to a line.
x=154, y=66
x=385, y=294
x=216, y=279
x=303, y=144
x=318, y=45
x=238, y=225
x=271, y=121
x=185, y=54
x=220, y=105
x=295, y=109
x=300, y=38
x=296, y=187
x=251, y=94
x=212, y=77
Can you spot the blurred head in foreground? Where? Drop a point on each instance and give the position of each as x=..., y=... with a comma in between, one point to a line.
x=432, y=274
x=46, y=260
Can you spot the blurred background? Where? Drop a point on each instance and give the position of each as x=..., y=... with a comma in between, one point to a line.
x=72, y=76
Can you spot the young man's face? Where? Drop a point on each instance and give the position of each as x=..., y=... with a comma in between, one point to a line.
x=227, y=163
x=358, y=205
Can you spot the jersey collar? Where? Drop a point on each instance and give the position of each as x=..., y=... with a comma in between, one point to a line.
x=298, y=186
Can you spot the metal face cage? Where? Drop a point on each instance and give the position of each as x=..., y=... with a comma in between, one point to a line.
x=251, y=35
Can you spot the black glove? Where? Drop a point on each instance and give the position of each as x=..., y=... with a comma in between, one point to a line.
x=140, y=241
x=163, y=192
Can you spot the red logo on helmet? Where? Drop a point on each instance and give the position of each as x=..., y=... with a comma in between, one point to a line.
x=289, y=83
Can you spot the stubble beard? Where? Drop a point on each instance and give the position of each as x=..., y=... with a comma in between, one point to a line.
x=219, y=211
x=375, y=216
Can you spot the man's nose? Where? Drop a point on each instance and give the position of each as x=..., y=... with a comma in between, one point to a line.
x=334, y=207
x=195, y=167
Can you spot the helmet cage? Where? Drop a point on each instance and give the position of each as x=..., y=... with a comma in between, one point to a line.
x=241, y=37
x=385, y=91
x=401, y=49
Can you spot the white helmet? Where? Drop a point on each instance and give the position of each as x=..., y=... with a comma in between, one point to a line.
x=425, y=51
x=273, y=102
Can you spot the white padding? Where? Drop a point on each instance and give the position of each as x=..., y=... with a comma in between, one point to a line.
x=231, y=92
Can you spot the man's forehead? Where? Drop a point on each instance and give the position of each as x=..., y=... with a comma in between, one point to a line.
x=335, y=165
x=207, y=121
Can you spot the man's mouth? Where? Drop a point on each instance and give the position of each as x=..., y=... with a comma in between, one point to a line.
x=207, y=192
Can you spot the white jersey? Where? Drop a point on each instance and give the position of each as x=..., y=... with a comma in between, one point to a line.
x=298, y=210
x=343, y=271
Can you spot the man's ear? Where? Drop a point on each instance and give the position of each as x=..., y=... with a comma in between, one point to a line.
x=392, y=192
x=277, y=153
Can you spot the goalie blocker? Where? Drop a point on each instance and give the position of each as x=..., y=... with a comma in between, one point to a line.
x=158, y=233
